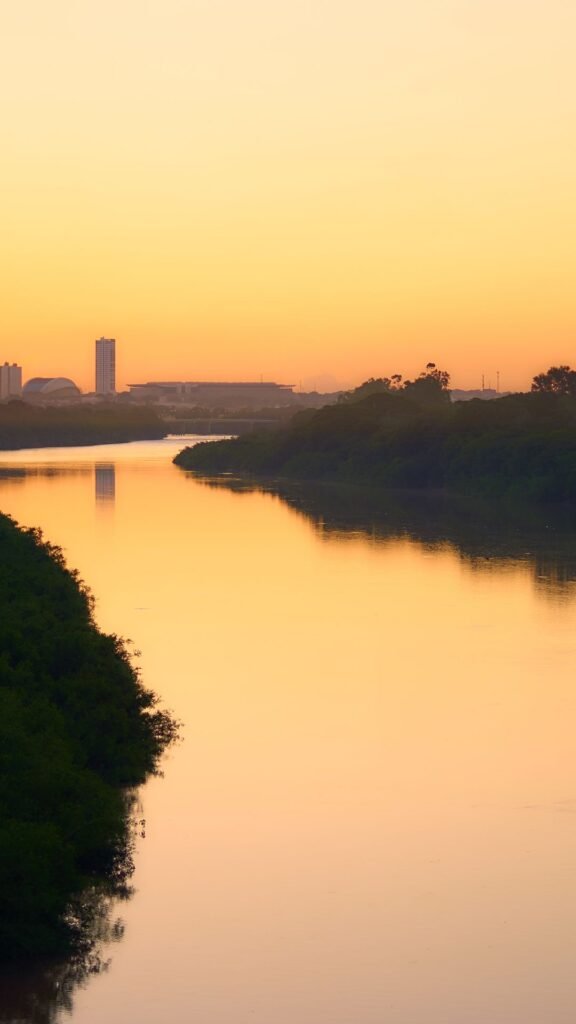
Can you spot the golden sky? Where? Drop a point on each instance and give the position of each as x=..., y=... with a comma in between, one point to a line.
x=313, y=191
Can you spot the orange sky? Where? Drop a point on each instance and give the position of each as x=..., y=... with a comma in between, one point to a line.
x=312, y=191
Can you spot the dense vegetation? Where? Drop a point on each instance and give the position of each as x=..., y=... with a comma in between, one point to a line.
x=77, y=729
x=519, y=446
x=560, y=380
x=28, y=426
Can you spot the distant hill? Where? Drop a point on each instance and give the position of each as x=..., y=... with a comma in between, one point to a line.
x=521, y=445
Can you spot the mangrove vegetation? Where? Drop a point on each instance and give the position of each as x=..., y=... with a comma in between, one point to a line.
x=409, y=435
x=78, y=730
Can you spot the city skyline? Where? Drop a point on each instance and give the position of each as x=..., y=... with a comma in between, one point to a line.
x=104, y=378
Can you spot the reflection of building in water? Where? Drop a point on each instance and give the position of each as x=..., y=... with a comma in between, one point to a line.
x=105, y=478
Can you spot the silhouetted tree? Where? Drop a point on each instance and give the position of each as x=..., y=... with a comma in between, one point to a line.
x=372, y=386
x=430, y=386
x=558, y=380
x=442, y=377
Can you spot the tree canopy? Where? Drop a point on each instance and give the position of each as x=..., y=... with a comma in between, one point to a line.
x=430, y=386
x=558, y=380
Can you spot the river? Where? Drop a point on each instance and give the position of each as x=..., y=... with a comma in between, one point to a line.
x=372, y=814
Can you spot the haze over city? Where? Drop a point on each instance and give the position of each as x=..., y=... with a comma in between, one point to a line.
x=314, y=193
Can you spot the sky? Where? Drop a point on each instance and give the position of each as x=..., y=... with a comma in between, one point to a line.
x=311, y=192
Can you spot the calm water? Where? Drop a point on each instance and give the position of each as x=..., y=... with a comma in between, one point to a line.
x=372, y=817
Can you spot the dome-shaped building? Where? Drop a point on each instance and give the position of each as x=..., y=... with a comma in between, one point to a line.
x=50, y=389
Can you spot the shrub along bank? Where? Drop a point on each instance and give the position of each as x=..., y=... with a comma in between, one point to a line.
x=77, y=729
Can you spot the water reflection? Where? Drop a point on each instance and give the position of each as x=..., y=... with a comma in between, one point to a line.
x=37, y=993
x=19, y=474
x=488, y=536
x=105, y=483
x=104, y=477
x=38, y=996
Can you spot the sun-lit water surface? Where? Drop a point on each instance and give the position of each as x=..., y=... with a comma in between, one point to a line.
x=372, y=815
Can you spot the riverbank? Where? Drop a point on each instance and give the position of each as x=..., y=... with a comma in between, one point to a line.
x=28, y=426
x=78, y=731
x=521, y=446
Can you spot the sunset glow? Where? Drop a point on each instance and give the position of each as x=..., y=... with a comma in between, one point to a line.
x=312, y=192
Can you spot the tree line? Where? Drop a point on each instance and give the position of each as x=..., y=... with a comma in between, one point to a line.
x=410, y=436
x=23, y=425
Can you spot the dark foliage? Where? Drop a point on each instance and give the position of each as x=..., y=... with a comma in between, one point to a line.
x=559, y=380
x=429, y=388
x=521, y=446
x=77, y=728
x=28, y=426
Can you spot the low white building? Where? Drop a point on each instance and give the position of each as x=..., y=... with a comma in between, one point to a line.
x=50, y=389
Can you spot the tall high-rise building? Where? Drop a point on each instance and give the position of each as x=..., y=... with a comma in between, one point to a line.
x=10, y=381
x=106, y=366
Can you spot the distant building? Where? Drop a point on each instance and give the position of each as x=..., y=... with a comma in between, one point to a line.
x=106, y=366
x=485, y=394
x=50, y=389
x=216, y=394
x=10, y=381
